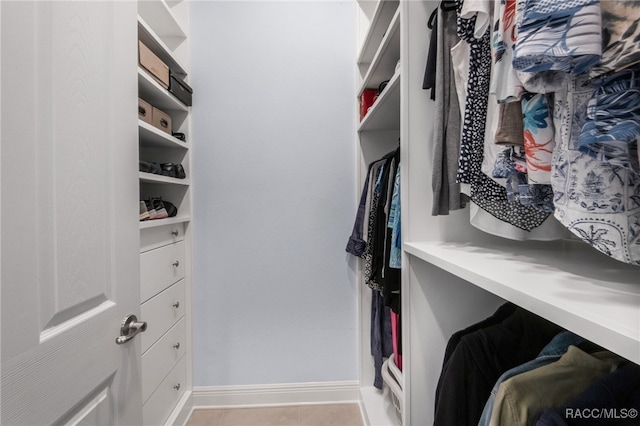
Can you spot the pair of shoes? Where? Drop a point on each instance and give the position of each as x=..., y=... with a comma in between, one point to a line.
x=173, y=170
x=164, y=169
x=156, y=209
x=149, y=167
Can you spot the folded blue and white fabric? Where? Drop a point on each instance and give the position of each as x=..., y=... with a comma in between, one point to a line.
x=559, y=36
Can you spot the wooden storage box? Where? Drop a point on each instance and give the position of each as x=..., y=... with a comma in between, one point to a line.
x=161, y=120
x=150, y=62
x=145, y=111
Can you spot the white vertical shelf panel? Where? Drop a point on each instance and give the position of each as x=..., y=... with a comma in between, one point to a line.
x=384, y=62
x=384, y=11
x=160, y=17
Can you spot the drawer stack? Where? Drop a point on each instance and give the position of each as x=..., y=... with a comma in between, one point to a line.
x=162, y=293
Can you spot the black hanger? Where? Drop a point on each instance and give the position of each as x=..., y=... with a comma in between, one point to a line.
x=448, y=5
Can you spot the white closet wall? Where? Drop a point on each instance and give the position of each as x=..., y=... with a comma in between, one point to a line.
x=274, y=192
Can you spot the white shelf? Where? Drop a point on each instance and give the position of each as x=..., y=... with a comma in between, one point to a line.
x=384, y=114
x=150, y=136
x=157, y=46
x=386, y=57
x=161, y=222
x=160, y=18
x=153, y=178
x=385, y=9
x=151, y=91
x=573, y=286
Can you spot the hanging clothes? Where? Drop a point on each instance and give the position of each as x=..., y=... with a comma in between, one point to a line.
x=481, y=357
x=552, y=352
x=559, y=35
x=375, y=236
x=522, y=398
x=447, y=195
x=620, y=32
x=597, y=201
x=485, y=192
x=617, y=392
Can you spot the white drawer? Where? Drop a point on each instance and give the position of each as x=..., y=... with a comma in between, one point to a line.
x=151, y=238
x=159, y=268
x=161, y=312
x=160, y=405
x=161, y=357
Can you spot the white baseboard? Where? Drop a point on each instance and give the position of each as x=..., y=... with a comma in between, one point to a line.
x=278, y=394
x=182, y=411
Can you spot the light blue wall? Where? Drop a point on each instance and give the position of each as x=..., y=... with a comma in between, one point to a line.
x=274, y=187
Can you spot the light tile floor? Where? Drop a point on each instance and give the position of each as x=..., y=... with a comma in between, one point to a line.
x=302, y=415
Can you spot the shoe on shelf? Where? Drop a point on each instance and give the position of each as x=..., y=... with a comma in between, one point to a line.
x=149, y=167
x=180, y=174
x=144, y=214
x=168, y=169
x=152, y=211
x=159, y=207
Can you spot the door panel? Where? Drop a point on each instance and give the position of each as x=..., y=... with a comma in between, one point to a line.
x=70, y=234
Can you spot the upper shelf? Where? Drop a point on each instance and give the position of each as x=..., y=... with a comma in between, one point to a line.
x=151, y=136
x=152, y=92
x=161, y=222
x=577, y=288
x=386, y=57
x=384, y=114
x=157, y=46
x=161, y=20
x=153, y=178
x=385, y=9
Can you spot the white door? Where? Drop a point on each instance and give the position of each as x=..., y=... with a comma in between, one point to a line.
x=69, y=227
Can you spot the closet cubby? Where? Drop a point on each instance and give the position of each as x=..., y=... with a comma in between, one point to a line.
x=165, y=250
x=454, y=275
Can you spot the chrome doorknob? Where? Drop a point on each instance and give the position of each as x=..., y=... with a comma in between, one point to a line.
x=130, y=328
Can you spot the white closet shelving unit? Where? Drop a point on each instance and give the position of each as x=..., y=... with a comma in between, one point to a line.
x=378, y=133
x=453, y=274
x=165, y=244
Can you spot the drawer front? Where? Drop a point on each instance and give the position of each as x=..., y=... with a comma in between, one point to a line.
x=160, y=268
x=161, y=312
x=160, y=359
x=160, y=405
x=152, y=238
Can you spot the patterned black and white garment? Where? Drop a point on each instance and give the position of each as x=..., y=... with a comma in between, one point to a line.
x=485, y=192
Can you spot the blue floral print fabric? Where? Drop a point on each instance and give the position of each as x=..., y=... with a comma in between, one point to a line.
x=595, y=199
x=620, y=35
x=559, y=35
x=612, y=129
